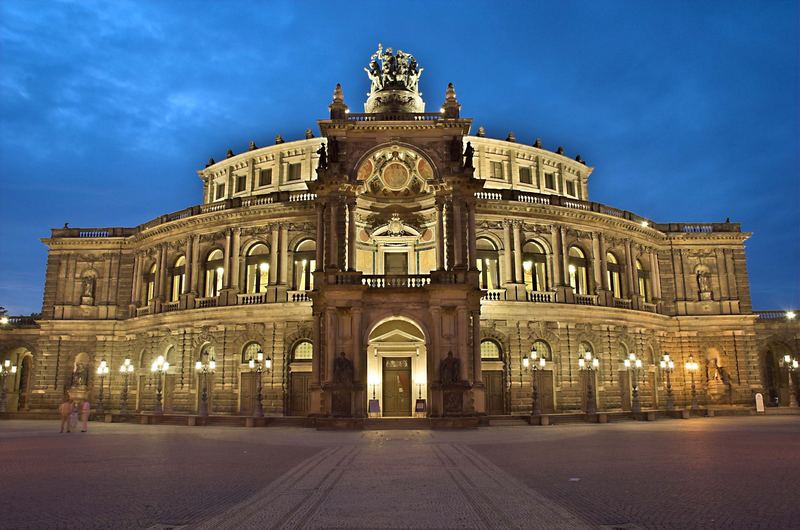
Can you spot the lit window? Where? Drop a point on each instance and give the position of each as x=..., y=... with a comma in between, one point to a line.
x=643, y=277
x=534, y=266
x=220, y=191
x=490, y=350
x=613, y=275
x=578, y=271
x=570, y=187
x=257, y=269
x=241, y=183
x=305, y=262
x=214, y=271
x=303, y=351
x=251, y=351
x=177, y=276
x=486, y=261
x=550, y=181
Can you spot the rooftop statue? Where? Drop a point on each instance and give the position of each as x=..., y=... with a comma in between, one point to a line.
x=389, y=70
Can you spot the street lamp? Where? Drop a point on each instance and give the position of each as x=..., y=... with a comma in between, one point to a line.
x=790, y=365
x=589, y=364
x=102, y=371
x=6, y=370
x=126, y=369
x=255, y=364
x=204, y=368
x=668, y=365
x=633, y=364
x=692, y=366
x=536, y=364
x=159, y=367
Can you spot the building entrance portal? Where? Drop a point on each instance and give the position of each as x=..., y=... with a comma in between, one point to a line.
x=397, y=367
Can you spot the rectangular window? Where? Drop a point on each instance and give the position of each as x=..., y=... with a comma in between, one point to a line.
x=497, y=170
x=220, y=191
x=265, y=177
x=241, y=183
x=550, y=181
x=570, y=187
x=294, y=172
x=525, y=175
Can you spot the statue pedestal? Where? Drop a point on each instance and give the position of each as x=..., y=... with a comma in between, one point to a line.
x=454, y=399
x=341, y=400
x=78, y=394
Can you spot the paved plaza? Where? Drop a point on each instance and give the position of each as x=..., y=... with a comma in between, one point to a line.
x=699, y=473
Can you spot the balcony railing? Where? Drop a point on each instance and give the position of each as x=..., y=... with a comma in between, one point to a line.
x=298, y=296
x=170, y=306
x=493, y=295
x=540, y=296
x=202, y=303
x=623, y=303
x=144, y=310
x=385, y=281
x=778, y=315
x=586, y=299
x=647, y=306
x=251, y=299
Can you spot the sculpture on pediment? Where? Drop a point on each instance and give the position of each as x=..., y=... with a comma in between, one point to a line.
x=394, y=82
x=323, y=158
x=469, y=152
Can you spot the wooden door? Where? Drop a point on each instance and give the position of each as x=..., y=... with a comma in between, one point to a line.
x=493, y=381
x=395, y=263
x=545, y=391
x=24, y=384
x=168, y=393
x=248, y=392
x=298, y=393
x=625, y=389
x=397, y=386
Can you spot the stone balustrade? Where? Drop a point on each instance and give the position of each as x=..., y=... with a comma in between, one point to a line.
x=493, y=295
x=202, y=303
x=547, y=297
x=623, y=303
x=586, y=299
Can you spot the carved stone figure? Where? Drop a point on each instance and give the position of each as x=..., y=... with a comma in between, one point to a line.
x=469, y=152
x=721, y=374
x=80, y=375
x=323, y=158
x=449, y=369
x=387, y=69
x=702, y=281
x=343, y=370
x=87, y=287
x=309, y=134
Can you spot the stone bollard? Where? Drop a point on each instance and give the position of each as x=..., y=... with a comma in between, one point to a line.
x=602, y=417
x=686, y=414
x=249, y=422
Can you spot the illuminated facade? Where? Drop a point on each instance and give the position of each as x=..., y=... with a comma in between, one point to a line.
x=398, y=258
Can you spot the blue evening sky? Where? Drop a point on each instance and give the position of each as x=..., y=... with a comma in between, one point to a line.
x=687, y=110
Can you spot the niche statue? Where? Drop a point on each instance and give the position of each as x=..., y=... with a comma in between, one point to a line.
x=449, y=369
x=343, y=370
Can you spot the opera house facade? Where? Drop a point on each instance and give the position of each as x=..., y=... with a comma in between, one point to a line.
x=399, y=263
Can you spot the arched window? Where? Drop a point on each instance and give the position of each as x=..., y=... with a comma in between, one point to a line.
x=487, y=261
x=490, y=350
x=583, y=348
x=257, y=269
x=251, y=351
x=150, y=284
x=543, y=350
x=177, y=277
x=643, y=277
x=169, y=354
x=214, y=271
x=613, y=274
x=534, y=266
x=303, y=351
x=578, y=271
x=305, y=262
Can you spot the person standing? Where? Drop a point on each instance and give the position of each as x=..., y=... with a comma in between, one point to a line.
x=64, y=411
x=86, y=408
x=73, y=416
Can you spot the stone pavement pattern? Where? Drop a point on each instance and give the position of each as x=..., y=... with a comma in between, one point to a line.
x=699, y=473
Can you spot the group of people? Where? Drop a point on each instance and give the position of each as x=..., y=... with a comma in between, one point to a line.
x=71, y=411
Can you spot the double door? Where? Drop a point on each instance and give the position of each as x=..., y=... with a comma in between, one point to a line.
x=397, y=386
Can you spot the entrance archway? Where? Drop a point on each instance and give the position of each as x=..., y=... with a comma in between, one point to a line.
x=397, y=368
x=18, y=383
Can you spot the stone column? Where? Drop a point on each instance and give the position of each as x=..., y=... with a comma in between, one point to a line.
x=655, y=278
x=508, y=271
x=226, y=259
x=333, y=260
x=601, y=248
x=477, y=376
x=284, y=260
x=330, y=342
x=597, y=262
x=196, y=276
x=463, y=327
x=722, y=274
x=351, y=234
x=471, y=235
x=320, y=243
x=731, y=270
x=273, y=256
x=555, y=241
x=187, y=265
x=359, y=363
x=632, y=287
x=440, y=236
x=159, y=265
x=137, y=279
x=235, y=250
x=458, y=241
x=518, y=277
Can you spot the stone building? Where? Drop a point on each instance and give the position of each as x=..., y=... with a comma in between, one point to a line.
x=397, y=261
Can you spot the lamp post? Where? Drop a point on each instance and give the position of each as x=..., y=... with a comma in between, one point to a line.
x=668, y=365
x=791, y=365
x=536, y=363
x=159, y=368
x=255, y=364
x=633, y=364
x=5, y=371
x=692, y=366
x=204, y=368
x=589, y=364
x=126, y=369
x=102, y=371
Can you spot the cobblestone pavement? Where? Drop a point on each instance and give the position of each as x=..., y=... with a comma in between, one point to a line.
x=699, y=473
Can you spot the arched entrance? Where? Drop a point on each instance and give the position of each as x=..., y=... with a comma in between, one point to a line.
x=397, y=369
x=776, y=378
x=18, y=382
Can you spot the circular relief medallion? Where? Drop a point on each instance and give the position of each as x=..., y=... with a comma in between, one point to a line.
x=424, y=169
x=395, y=176
x=364, y=171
